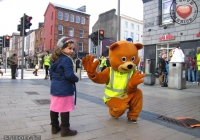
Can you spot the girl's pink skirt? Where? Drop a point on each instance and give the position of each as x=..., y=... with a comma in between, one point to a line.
x=62, y=104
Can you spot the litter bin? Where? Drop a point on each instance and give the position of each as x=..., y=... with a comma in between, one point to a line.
x=177, y=75
x=147, y=65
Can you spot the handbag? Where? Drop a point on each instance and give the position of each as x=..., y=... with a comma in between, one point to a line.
x=16, y=73
x=158, y=71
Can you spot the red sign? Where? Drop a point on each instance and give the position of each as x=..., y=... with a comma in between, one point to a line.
x=198, y=34
x=167, y=37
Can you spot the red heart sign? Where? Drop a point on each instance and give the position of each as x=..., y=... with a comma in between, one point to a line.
x=184, y=11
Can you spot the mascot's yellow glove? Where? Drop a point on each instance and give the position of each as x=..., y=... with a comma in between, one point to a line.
x=89, y=65
x=135, y=80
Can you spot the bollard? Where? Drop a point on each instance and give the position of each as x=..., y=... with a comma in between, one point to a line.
x=79, y=73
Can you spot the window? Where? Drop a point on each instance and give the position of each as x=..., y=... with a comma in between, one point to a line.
x=94, y=50
x=126, y=24
x=77, y=19
x=71, y=31
x=81, y=33
x=132, y=26
x=66, y=16
x=125, y=34
x=60, y=29
x=82, y=20
x=51, y=29
x=132, y=35
x=137, y=27
x=137, y=37
x=60, y=15
x=52, y=16
x=71, y=18
x=164, y=7
x=80, y=47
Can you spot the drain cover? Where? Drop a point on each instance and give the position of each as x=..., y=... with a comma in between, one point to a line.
x=173, y=121
x=32, y=93
x=42, y=101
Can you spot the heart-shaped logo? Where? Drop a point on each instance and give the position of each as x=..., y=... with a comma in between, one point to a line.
x=184, y=11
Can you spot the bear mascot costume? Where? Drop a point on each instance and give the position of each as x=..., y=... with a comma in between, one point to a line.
x=120, y=79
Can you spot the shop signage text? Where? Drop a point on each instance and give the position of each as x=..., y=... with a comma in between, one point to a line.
x=167, y=37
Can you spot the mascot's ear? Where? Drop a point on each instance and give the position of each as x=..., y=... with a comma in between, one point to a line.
x=113, y=46
x=138, y=45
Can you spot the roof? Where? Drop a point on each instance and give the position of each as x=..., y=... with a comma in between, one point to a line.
x=69, y=8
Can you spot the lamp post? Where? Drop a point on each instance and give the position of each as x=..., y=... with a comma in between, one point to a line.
x=118, y=21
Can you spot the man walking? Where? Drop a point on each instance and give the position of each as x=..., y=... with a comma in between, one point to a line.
x=13, y=61
x=162, y=66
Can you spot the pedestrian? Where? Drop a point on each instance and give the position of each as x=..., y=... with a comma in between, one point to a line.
x=196, y=72
x=1, y=72
x=141, y=65
x=103, y=63
x=107, y=62
x=63, y=86
x=198, y=63
x=78, y=63
x=162, y=66
x=36, y=69
x=46, y=64
x=13, y=61
x=190, y=67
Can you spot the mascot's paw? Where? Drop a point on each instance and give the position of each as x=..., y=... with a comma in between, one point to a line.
x=136, y=79
x=89, y=64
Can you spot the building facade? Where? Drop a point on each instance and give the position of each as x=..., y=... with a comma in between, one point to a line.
x=61, y=21
x=165, y=27
x=129, y=28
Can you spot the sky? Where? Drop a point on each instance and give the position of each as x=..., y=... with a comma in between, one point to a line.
x=12, y=10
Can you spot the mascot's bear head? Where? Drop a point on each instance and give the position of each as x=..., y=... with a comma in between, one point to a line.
x=123, y=55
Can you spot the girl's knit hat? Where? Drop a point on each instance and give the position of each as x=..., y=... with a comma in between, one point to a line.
x=64, y=40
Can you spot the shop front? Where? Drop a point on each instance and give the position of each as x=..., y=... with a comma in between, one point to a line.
x=153, y=52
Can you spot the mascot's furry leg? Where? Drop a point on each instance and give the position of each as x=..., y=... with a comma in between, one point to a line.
x=117, y=107
x=135, y=103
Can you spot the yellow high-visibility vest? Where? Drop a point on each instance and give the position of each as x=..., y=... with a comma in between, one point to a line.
x=117, y=84
x=198, y=61
x=47, y=60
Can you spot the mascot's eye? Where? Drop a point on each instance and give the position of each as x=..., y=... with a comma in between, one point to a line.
x=133, y=58
x=123, y=59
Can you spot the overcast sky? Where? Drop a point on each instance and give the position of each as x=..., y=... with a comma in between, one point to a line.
x=12, y=10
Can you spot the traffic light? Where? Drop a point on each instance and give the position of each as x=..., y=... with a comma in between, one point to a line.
x=7, y=41
x=1, y=43
x=25, y=24
x=101, y=35
x=94, y=38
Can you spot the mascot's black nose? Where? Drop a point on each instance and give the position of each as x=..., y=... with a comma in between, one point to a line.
x=129, y=66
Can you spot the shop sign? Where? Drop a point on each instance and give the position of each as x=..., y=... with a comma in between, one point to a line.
x=198, y=34
x=185, y=11
x=166, y=37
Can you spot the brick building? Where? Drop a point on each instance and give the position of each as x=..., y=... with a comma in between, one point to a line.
x=61, y=21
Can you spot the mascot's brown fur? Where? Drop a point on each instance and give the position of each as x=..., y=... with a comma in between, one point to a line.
x=123, y=56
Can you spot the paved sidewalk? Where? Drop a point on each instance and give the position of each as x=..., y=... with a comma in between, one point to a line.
x=21, y=114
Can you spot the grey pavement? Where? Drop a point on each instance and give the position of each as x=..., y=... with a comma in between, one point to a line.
x=22, y=114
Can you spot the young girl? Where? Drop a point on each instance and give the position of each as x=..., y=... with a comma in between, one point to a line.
x=63, y=80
